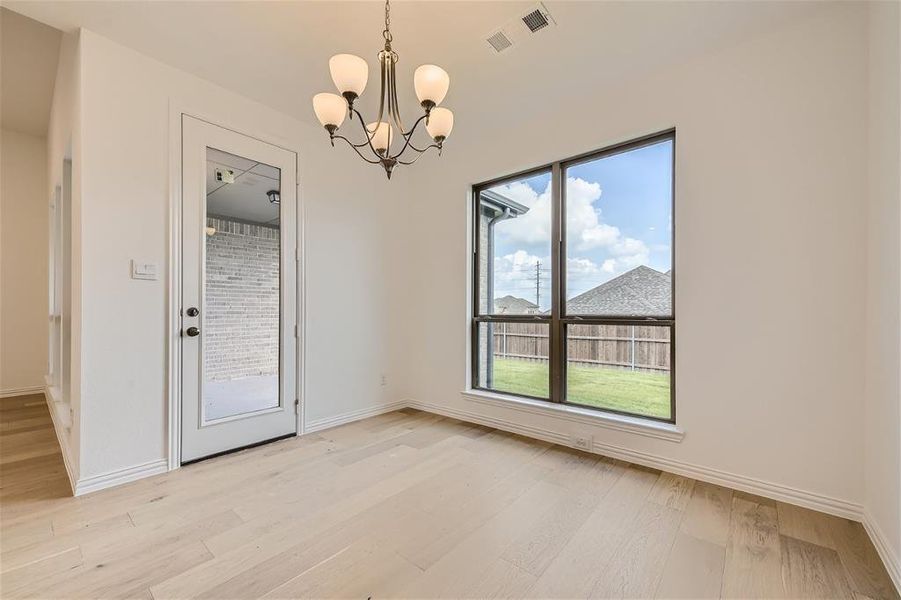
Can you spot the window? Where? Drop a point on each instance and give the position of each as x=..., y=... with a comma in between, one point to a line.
x=573, y=281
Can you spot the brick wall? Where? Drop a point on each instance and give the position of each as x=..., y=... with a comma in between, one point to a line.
x=241, y=315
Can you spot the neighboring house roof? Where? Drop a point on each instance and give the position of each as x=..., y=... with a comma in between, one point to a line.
x=498, y=204
x=511, y=305
x=641, y=291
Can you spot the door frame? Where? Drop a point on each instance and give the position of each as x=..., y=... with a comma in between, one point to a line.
x=177, y=111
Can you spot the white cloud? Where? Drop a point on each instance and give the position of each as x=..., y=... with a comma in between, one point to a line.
x=582, y=267
x=582, y=274
x=534, y=227
x=598, y=251
x=514, y=274
x=599, y=235
x=584, y=227
x=625, y=263
x=518, y=263
x=517, y=270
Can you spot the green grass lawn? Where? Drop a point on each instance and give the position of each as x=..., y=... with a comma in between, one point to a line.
x=617, y=389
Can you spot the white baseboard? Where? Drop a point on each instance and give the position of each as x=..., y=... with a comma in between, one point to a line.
x=533, y=432
x=759, y=487
x=355, y=415
x=155, y=467
x=110, y=479
x=61, y=435
x=818, y=502
x=891, y=561
x=22, y=391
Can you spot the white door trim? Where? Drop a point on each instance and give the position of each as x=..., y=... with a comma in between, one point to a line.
x=174, y=276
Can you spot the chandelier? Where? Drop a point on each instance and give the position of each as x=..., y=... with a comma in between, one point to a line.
x=387, y=141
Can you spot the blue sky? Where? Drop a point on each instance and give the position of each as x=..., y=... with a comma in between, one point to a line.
x=618, y=217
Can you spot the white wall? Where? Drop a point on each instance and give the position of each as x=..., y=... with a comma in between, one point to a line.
x=23, y=261
x=883, y=398
x=349, y=260
x=770, y=249
x=63, y=143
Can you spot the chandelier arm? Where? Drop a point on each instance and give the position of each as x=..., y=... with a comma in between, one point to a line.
x=365, y=132
x=421, y=150
x=409, y=134
x=386, y=90
x=393, y=91
x=418, y=156
x=369, y=137
x=408, y=138
x=356, y=149
x=383, y=77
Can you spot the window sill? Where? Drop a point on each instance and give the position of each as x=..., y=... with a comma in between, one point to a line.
x=586, y=416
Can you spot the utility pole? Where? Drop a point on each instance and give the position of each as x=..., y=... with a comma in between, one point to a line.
x=538, y=284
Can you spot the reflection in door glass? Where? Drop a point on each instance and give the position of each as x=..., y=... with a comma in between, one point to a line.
x=241, y=287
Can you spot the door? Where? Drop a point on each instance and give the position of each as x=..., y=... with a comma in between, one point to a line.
x=239, y=306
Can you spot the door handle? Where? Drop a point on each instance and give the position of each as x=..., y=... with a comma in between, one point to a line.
x=192, y=332
x=193, y=312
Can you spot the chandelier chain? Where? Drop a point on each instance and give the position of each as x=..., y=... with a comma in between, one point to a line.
x=387, y=32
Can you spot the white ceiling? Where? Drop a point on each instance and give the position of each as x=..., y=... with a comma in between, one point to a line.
x=28, y=55
x=277, y=52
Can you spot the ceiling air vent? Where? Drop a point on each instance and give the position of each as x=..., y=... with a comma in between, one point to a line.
x=499, y=41
x=517, y=30
x=535, y=20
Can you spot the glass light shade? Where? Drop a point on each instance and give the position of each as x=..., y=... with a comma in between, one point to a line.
x=330, y=109
x=350, y=73
x=431, y=83
x=381, y=139
x=441, y=122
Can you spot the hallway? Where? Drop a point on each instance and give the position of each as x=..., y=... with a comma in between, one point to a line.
x=31, y=465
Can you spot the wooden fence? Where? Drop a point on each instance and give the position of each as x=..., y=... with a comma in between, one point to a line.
x=632, y=347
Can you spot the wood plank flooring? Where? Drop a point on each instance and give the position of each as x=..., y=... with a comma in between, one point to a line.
x=408, y=505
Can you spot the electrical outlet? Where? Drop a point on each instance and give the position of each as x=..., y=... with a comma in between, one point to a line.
x=384, y=380
x=582, y=442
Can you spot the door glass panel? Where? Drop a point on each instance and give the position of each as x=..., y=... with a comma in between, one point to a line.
x=241, y=299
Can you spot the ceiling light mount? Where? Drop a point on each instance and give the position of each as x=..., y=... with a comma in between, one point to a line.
x=382, y=145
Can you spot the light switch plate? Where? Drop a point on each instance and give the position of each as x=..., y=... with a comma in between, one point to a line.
x=142, y=270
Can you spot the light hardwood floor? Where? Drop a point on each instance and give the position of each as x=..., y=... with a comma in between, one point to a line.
x=412, y=505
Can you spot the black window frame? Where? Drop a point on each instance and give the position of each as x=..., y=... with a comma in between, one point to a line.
x=558, y=319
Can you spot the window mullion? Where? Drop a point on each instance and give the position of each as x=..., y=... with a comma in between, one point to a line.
x=556, y=357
